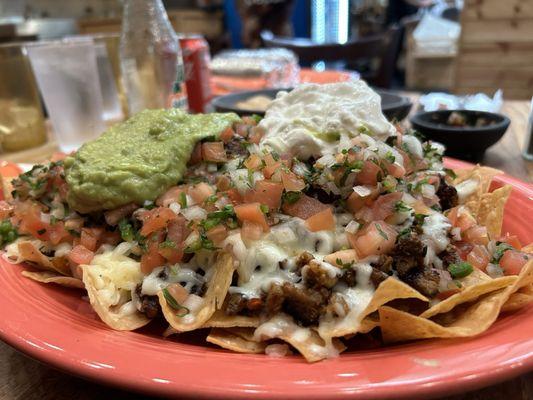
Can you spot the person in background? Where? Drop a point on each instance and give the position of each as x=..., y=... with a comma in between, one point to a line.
x=398, y=9
x=259, y=15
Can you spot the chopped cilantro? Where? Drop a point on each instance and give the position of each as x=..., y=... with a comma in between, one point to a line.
x=256, y=118
x=343, y=265
x=460, y=270
x=390, y=157
x=211, y=199
x=450, y=172
x=127, y=233
x=501, y=247
x=202, y=243
x=381, y=233
x=400, y=206
x=171, y=301
x=291, y=197
x=183, y=200
x=8, y=233
x=264, y=208
x=167, y=244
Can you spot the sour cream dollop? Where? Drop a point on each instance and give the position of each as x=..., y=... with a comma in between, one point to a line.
x=310, y=119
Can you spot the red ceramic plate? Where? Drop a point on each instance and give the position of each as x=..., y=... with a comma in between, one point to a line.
x=58, y=327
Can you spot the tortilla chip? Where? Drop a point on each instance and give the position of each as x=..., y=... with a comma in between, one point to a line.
x=111, y=315
x=469, y=294
x=29, y=252
x=49, y=277
x=231, y=341
x=7, y=187
x=476, y=318
x=213, y=299
x=368, y=324
x=491, y=207
x=517, y=301
x=484, y=176
x=221, y=320
x=388, y=290
x=528, y=248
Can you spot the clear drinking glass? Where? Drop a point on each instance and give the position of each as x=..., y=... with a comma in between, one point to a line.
x=21, y=118
x=67, y=75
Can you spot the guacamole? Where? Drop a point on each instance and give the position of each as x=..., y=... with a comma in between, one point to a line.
x=139, y=159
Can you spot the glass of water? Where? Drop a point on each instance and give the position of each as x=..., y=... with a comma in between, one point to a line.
x=67, y=75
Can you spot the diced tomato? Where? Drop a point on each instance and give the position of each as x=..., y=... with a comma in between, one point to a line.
x=253, y=162
x=476, y=235
x=113, y=217
x=396, y=170
x=384, y=205
x=512, y=261
x=5, y=209
x=214, y=152
x=178, y=292
x=223, y=183
x=152, y=258
x=255, y=135
x=420, y=207
x=286, y=159
x=369, y=174
x=479, y=257
x=355, y=202
x=112, y=238
x=366, y=214
x=89, y=237
x=461, y=218
x=511, y=240
x=9, y=169
x=227, y=134
x=58, y=233
x=196, y=156
x=252, y=212
x=27, y=216
x=248, y=120
x=291, y=181
x=172, y=255
x=242, y=130
x=217, y=234
x=408, y=162
x=375, y=238
x=251, y=231
x=172, y=195
x=177, y=230
x=269, y=159
x=156, y=219
x=463, y=248
x=265, y=192
x=234, y=196
x=321, y=221
x=304, y=207
x=344, y=256
x=200, y=192
x=269, y=170
x=447, y=293
x=80, y=255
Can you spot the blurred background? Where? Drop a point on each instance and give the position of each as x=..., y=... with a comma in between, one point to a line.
x=74, y=67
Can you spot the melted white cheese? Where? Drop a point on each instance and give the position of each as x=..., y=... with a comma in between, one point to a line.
x=435, y=236
x=309, y=120
x=413, y=145
x=466, y=188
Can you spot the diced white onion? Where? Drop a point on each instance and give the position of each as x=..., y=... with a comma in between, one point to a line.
x=45, y=218
x=494, y=270
x=175, y=207
x=328, y=160
x=352, y=227
x=456, y=234
x=211, y=167
x=362, y=191
x=194, y=213
x=428, y=191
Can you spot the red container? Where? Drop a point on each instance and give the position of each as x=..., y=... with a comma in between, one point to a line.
x=195, y=52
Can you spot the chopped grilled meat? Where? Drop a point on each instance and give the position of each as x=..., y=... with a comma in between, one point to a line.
x=322, y=196
x=303, y=259
x=236, y=147
x=274, y=300
x=384, y=264
x=426, y=281
x=447, y=195
x=377, y=276
x=236, y=304
x=150, y=306
x=450, y=256
x=410, y=245
x=349, y=277
x=317, y=277
x=304, y=305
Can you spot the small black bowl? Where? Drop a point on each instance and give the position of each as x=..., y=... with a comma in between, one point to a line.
x=466, y=142
x=393, y=106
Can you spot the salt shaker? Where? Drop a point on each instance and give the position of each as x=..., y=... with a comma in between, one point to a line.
x=528, y=149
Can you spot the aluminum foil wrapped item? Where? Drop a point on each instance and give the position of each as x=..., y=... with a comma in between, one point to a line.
x=254, y=69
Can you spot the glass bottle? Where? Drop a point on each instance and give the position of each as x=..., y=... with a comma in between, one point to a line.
x=150, y=58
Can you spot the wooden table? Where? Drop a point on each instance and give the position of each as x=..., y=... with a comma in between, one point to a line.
x=25, y=379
